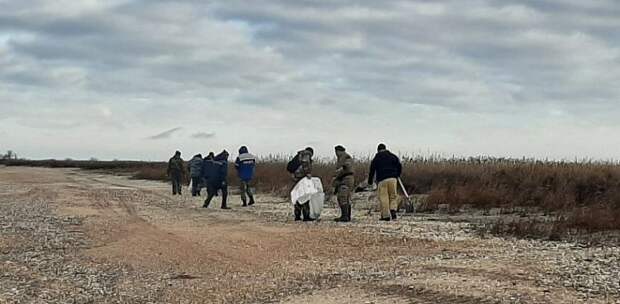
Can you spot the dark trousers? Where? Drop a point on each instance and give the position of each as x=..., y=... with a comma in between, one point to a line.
x=196, y=181
x=175, y=177
x=246, y=192
x=212, y=192
x=302, y=209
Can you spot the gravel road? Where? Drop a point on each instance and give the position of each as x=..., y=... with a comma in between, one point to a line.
x=70, y=236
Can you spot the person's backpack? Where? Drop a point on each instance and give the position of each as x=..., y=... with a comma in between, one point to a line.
x=293, y=164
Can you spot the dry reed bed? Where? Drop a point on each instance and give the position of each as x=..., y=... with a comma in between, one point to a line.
x=577, y=197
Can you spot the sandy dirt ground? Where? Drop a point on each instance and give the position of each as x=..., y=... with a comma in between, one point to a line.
x=71, y=236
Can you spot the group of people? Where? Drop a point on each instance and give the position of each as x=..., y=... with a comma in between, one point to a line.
x=212, y=172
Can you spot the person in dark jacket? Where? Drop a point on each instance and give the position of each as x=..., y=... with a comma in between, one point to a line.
x=387, y=168
x=245, y=165
x=216, y=172
x=176, y=171
x=209, y=157
x=194, y=167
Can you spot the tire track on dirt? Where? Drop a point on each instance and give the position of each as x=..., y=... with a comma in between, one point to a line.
x=419, y=295
x=177, y=253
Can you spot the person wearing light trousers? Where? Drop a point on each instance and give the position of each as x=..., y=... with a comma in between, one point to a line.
x=387, y=168
x=388, y=198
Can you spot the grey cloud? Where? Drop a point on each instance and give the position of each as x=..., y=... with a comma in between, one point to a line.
x=357, y=59
x=203, y=135
x=492, y=39
x=47, y=124
x=165, y=134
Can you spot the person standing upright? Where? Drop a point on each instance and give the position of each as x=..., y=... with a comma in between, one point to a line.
x=343, y=183
x=245, y=165
x=195, y=172
x=387, y=168
x=176, y=172
x=216, y=173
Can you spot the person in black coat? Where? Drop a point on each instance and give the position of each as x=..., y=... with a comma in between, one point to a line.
x=387, y=168
x=215, y=172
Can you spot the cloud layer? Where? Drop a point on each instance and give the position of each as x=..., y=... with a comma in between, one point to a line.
x=510, y=78
x=166, y=134
x=203, y=135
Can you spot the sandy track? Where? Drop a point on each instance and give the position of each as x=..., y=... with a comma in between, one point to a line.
x=134, y=243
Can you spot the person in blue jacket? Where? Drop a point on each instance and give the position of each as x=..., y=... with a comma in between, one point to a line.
x=215, y=172
x=245, y=165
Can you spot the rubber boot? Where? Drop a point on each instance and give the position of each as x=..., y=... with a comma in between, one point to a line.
x=348, y=213
x=245, y=204
x=297, y=212
x=342, y=214
x=306, y=212
x=224, y=199
x=252, y=202
x=393, y=214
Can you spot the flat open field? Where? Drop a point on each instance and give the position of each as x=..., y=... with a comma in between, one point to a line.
x=70, y=236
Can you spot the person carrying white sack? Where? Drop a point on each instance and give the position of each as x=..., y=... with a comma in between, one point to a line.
x=308, y=193
x=300, y=167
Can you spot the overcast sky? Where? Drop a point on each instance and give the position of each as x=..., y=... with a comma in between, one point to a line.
x=139, y=79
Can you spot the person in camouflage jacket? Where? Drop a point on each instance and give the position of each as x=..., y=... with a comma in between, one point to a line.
x=343, y=183
x=301, y=167
x=176, y=172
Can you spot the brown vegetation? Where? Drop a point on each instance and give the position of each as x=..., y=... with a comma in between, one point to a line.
x=578, y=196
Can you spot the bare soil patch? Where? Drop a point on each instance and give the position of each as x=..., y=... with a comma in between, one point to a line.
x=69, y=234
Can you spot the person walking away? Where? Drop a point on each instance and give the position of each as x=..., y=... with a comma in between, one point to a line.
x=388, y=169
x=301, y=167
x=205, y=163
x=216, y=173
x=343, y=183
x=195, y=173
x=245, y=165
x=176, y=172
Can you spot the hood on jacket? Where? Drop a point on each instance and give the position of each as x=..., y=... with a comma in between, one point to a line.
x=243, y=150
x=222, y=156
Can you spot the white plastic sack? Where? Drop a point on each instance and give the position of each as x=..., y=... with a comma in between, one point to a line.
x=309, y=190
x=316, y=205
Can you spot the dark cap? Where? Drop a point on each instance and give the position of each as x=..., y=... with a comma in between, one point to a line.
x=340, y=148
x=381, y=147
